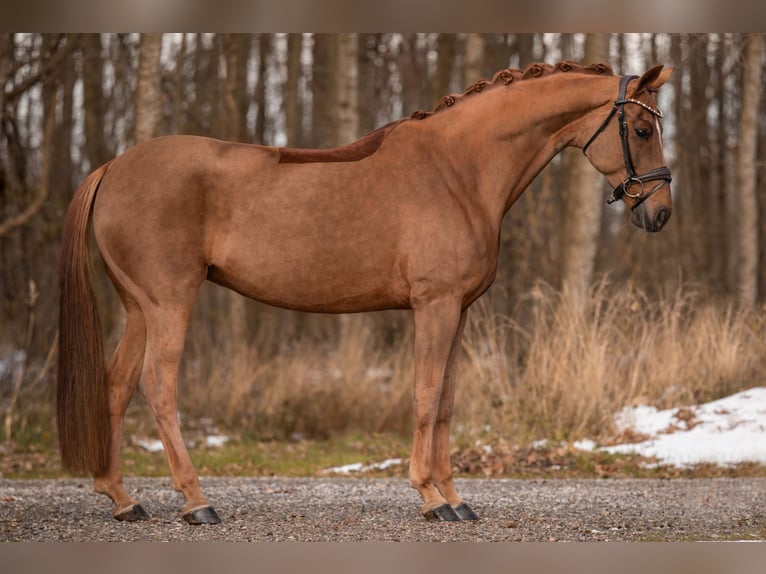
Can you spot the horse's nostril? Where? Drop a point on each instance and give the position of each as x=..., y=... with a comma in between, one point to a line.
x=663, y=214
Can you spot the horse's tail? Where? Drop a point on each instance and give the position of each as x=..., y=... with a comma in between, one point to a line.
x=82, y=409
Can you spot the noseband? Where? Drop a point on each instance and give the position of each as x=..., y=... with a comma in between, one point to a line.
x=660, y=173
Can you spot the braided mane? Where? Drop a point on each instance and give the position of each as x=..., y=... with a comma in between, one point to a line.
x=511, y=75
x=369, y=144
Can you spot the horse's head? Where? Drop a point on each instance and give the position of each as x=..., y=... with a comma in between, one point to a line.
x=626, y=147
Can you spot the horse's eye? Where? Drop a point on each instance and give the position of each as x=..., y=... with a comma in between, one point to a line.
x=643, y=133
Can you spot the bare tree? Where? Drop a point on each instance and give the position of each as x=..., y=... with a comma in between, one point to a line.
x=94, y=101
x=746, y=168
x=293, y=107
x=582, y=204
x=335, y=88
x=55, y=50
x=446, y=48
x=413, y=70
x=235, y=47
x=525, y=48
x=347, y=90
x=473, y=68
x=148, y=95
x=36, y=205
x=324, y=90
x=337, y=104
x=264, y=52
x=235, y=50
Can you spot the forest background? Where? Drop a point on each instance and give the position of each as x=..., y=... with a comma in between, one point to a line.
x=588, y=313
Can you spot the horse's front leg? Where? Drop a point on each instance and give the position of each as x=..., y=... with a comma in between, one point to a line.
x=436, y=324
x=442, y=467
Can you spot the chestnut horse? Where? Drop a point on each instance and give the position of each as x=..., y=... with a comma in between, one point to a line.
x=408, y=217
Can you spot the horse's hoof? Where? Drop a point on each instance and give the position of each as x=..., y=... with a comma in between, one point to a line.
x=465, y=512
x=202, y=515
x=132, y=514
x=443, y=513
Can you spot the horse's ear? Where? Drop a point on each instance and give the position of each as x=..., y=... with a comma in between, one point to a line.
x=653, y=79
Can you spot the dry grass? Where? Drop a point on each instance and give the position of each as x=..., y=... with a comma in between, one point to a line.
x=568, y=368
x=551, y=370
x=314, y=389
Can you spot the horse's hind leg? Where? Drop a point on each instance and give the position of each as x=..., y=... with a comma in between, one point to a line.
x=124, y=371
x=166, y=332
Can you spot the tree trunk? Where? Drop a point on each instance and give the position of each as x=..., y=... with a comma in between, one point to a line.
x=340, y=109
x=293, y=108
x=746, y=168
x=234, y=129
x=262, y=136
x=497, y=53
x=347, y=107
x=525, y=48
x=413, y=71
x=582, y=205
x=235, y=48
x=324, y=90
x=148, y=96
x=178, y=121
x=6, y=60
x=60, y=183
x=473, y=68
x=93, y=100
x=373, y=81
x=446, y=49
x=335, y=110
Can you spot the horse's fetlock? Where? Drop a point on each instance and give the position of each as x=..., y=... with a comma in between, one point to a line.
x=186, y=485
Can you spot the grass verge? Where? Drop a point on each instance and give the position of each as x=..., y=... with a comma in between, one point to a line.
x=34, y=455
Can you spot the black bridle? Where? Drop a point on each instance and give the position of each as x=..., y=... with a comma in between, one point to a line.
x=660, y=173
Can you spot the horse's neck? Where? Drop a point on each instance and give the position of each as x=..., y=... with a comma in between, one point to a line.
x=504, y=139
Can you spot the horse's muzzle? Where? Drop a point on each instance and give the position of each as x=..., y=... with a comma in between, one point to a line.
x=650, y=222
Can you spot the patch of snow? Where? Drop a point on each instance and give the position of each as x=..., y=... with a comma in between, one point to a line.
x=359, y=467
x=152, y=445
x=585, y=444
x=726, y=431
x=216, y=440
x=155, y=445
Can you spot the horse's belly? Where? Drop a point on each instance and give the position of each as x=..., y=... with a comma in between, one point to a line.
x=324, y=285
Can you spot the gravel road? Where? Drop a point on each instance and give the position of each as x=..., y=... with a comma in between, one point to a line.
x=356, y=509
